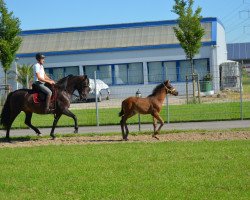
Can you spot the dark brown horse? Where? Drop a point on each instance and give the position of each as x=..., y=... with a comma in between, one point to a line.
x=149, y=105
x=22, y=100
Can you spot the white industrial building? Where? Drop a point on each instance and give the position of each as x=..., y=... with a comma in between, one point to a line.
x=125, y=56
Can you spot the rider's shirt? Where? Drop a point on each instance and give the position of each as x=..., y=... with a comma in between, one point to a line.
x=38, y=68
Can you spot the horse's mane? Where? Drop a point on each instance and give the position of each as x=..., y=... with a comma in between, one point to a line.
x=64, y=80
x=156, y=90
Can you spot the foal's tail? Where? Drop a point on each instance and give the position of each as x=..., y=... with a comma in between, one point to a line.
x=122, y=111
x=5, y=115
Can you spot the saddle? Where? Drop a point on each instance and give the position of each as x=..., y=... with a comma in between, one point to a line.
x=39, y=96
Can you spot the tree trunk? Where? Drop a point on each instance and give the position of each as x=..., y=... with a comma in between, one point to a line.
x=193, y=77
x=5, y=78
x=5, y=84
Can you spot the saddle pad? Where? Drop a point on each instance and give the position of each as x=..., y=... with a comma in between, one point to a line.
x=35, y=98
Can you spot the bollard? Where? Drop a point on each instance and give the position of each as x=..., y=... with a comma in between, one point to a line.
x=138, y=94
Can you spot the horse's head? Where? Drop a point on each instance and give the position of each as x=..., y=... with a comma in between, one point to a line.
x=83, y=88
x=169, y=88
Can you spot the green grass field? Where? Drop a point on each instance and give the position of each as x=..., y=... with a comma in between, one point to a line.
x=178, y=113
x=164, y=170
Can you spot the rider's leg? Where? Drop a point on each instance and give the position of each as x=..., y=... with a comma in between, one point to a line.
x=48, y=93
x=48, y=97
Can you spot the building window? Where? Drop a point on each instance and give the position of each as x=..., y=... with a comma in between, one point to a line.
x=89, y=71
x=135, y=73
x=131, y=73
x=201, y=67
x=170, y=71
x=155, y=72
x=185, y=70
x=58, y=73
x=121, y=74
x=105, y=74
x=49, y=72
x=161, y=71
x=71, y=70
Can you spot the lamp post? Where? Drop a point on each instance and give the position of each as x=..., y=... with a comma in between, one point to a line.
x=16, y=59
x=138, y=94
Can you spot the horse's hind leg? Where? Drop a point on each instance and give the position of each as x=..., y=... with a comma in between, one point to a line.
x=127, y=131
x=28, y=123
x=12, y=118
x=154, y=124
x=122, y=123
x=57, y=117
x=126, y=117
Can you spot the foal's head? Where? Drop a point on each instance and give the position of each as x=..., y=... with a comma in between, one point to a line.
x=169, y=88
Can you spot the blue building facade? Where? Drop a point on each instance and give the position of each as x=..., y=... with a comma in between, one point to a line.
x=125, y=56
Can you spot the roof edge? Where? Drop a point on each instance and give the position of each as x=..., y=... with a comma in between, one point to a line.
x=110, y=26
x=104, y=50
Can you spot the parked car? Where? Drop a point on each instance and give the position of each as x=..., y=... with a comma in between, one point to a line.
x=102, y=89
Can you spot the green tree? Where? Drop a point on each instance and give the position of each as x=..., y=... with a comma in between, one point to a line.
x=24, y=74
x=9, y=39
x=189, y=31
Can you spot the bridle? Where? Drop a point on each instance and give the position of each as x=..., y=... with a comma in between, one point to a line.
x=84, y=86
x=169, y=90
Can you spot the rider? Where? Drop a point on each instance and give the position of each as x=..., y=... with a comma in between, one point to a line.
x=40, y=78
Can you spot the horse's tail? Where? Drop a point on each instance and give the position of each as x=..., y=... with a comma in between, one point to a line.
x=121, y=113
x=5, y=114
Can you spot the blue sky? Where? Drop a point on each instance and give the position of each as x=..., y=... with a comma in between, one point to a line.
x=35, y=14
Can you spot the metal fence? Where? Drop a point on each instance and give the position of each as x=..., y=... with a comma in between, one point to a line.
x=225, y=96
x=4, y=91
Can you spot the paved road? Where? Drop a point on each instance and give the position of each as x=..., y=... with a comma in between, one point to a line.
x=144, y=127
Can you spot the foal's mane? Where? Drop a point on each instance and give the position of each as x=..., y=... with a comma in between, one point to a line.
x=156, y=89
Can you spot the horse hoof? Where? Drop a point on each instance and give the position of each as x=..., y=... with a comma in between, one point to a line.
x=76, y=131
x=125, y=139
x=154, y=136
x=39, y=134
x=53, y=137
x=7, y=140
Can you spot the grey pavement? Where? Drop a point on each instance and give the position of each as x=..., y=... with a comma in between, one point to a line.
x=144, y=127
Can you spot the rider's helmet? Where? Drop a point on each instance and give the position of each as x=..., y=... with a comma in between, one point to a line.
x=39, y=56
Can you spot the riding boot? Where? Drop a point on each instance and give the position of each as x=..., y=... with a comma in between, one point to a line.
x=47, y=109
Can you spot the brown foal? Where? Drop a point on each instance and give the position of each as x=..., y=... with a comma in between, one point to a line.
x=149, y=105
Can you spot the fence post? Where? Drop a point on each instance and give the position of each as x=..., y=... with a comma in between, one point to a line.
x=96, y=101
x=167, y=107
x=241, y=98
x=187, y=88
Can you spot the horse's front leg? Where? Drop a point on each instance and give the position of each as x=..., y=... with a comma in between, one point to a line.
x=157, y=117
x=70, y=114
x=57, y=117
